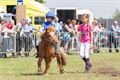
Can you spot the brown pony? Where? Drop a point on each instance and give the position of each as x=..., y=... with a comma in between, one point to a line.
x=46, y=51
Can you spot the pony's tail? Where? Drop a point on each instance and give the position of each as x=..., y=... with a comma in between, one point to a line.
x=61, y=57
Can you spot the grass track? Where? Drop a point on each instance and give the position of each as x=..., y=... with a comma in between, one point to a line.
x=106, y=66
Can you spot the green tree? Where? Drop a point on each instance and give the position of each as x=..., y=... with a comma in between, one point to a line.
x=41, y=1
x=116, y=14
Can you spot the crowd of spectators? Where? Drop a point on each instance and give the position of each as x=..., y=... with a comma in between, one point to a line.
x=21, y=36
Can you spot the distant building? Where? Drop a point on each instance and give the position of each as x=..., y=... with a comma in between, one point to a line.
x=65, y=9
x=101, y=8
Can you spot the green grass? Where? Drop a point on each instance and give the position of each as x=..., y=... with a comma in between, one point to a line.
x=106, y=66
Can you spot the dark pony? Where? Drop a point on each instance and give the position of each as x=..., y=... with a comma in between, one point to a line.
x=46, y=51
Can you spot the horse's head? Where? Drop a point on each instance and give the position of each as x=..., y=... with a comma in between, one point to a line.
x=49, y=36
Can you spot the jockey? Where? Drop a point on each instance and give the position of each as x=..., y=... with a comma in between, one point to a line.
x=49, y=17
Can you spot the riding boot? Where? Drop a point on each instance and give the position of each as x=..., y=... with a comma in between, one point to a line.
x=88, y=65
x=37, y=47
x=84, y=59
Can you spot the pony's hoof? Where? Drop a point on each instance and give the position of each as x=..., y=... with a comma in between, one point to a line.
x=40, y=73
x=46, y=74
x=62, y=71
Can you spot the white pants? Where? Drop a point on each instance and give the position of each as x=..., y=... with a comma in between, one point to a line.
x=84, y=50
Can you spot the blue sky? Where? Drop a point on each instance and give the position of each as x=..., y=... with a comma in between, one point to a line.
x=101, y=8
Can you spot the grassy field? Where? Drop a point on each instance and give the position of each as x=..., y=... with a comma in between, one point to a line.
x=106, y=66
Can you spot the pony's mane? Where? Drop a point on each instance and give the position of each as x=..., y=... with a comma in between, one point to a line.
x=47, y=37
x=50, y=29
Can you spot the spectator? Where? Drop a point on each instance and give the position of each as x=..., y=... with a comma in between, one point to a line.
x=96, y=36
x=23, y=35
x=58, y=29
x=66, y=36
x=2, y=25
x=112, y=36
x=74, y=37
x=102, y=34
x=32, y=30
x=1, y=36
x=61, y=23
x=11, y=26
x=1, y=40
x=101, y=29
x=18, y=39
x=8, y=29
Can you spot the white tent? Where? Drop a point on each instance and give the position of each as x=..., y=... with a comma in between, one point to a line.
x=2, y=10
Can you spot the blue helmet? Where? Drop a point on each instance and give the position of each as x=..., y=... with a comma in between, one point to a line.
x=50, y=14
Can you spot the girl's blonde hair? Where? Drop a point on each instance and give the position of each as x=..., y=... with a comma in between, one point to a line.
x=86, y=18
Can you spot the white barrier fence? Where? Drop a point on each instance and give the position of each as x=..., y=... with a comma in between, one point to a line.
x=24, y=44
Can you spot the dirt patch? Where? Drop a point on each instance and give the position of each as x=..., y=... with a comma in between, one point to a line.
x=107, y=67
x=107, y=71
